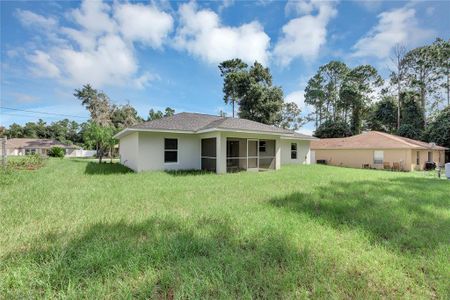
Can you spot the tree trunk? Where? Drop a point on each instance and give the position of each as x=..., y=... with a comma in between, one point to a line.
x=232, y=103
x=448, y=89
x=398, y=105
x=422, y=103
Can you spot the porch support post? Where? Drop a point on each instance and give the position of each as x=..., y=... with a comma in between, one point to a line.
x=221, y=153
x=277, y=153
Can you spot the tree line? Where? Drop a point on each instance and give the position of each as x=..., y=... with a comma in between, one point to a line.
x=106, y=119
x=415, y=97
x=414, y=102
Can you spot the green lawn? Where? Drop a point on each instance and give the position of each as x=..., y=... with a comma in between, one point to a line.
x=76, y=229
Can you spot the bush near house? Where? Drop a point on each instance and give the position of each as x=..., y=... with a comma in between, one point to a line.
x=27, y=162
x=79, y=229
x=56, y=152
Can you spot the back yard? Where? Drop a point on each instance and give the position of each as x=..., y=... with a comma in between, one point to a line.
x=78, y=229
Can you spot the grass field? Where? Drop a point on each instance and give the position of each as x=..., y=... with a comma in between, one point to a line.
x=76, y=229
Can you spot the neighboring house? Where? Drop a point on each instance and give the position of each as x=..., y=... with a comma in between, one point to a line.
x=24, y=146
x=197, y=141
x=379, y=150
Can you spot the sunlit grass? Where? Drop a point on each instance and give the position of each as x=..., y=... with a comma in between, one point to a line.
x=76, y=229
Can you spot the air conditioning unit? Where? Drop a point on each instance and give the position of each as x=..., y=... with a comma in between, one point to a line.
x=447, y=170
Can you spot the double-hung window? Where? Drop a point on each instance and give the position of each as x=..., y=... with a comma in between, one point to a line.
x=293, y=150
x=170, y=150
x=378, y=157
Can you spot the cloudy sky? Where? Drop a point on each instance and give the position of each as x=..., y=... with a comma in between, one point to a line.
x=155, y=54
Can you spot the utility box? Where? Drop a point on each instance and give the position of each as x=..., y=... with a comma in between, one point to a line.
x=447, y=170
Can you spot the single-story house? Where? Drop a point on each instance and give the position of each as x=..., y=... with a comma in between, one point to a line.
x=374, y=149
x=25, y=146
x=187, y=141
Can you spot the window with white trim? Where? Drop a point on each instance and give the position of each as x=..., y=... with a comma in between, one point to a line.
x=378, y=157
x=170, y=150
x=293, y=150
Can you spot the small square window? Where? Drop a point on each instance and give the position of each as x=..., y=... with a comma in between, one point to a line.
x=262, y=146
x=170, y=144
x=170, y=156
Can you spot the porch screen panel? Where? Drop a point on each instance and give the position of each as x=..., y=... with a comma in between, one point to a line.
x=209, y=154
x=236, y=154
x=267, y=157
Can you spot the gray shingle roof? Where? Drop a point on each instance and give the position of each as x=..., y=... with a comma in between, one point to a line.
x=182, y=121
x=195, y=122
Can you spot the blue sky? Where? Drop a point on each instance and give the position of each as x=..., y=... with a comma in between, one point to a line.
x=156, y=54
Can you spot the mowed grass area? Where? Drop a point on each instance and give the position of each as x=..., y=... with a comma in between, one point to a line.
x=76, y=229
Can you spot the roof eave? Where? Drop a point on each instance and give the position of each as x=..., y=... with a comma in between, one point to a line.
x=128, y=131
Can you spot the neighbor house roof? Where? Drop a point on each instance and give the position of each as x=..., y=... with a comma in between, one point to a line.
x=23, y=143
x=199, y=123
x=372, y=140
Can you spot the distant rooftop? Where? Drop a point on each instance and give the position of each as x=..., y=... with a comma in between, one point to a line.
x=195, y=122
x=372, y=140
x=25, y=143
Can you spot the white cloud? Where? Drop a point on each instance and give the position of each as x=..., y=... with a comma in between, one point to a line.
x=43, y=65
x=94, y=16
x=225, y=4
x=24, y=98
x=143, y=23
x=370, y=5
x=201, y=34
x=112, y=62
x=99, y=47
x=304, y=36
x=298, y=97
x=398, y=26
x=30, y=19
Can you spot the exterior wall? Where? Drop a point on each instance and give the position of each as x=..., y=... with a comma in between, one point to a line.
x=357, y=158
x=144, y=151
x=128, y=151
x=151, y=152
x=303, y=152
x=438, y=158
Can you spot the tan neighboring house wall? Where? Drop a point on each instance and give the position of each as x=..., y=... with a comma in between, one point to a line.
x=359, y=151
x=356, y=158
x=438, y=156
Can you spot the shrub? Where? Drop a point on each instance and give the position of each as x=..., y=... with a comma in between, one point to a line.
x=27, y=162
x=56, y=152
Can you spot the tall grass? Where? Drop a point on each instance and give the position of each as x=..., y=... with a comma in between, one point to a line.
x=77, y=229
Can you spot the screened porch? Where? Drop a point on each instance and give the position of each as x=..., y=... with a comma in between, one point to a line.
x=250, y=154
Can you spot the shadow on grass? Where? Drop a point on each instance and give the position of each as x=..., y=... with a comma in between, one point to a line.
x=181, y=173
x=95, y=168
x=401, y=214
x=161, y=258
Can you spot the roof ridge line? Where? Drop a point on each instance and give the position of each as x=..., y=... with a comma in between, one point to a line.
x=396, y=138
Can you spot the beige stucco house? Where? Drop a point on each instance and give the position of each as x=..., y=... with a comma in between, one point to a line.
x=187, y=141
x=25, y=146
x=379, y=150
